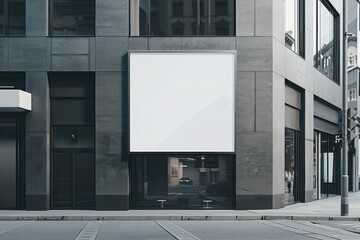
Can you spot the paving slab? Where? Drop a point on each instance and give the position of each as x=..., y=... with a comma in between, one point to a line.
x=320, y=210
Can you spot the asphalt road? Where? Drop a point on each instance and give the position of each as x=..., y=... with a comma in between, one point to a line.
x=182, y=230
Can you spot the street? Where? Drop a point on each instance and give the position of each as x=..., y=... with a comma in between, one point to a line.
x=249, y=230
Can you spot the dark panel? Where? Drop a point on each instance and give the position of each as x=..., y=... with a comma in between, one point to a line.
x=174, y=18
x=84, y=181
x=12, y=80
x=75, y=84
x=245, y=202
x=112, y=202
x=2, y=18
x=62, y=180
x=72, y=18
x=157, y=176
x=73, y=136
x=37, y=202
x=72, y=111
x=8, y=168
x=16, y=16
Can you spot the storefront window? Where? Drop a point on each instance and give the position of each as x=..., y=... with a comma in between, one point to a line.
x=182, y=181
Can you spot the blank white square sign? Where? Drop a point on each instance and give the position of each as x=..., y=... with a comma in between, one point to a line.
x=182, y=101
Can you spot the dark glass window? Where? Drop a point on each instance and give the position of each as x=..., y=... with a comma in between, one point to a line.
x=295, y=26
x=72, y=17
x=221, y=7
x=178, y=9
x=326, y=40
x=183, y=181
x=198, y=17
x=12, y=17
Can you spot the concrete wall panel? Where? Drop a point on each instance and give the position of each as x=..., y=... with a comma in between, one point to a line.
x=111, y=53
x=138, y=43
x=112, y=17
x=112, y=174
x=70, y=62
x=264, y=102
x=36, y=54
x=263, y=17
x=278, y=123
x=245, y=102
x=245, y=18
x=17, y=54
x=254, y=53
x=254, y=163
x=170, y=43
x=203, y=43
x=37, y=161
x=36, y=18
x=71, y=46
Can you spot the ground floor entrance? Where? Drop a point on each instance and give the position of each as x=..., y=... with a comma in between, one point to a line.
x=182, y=181
x=73, y=180
x=11, y=164
x=326, y=166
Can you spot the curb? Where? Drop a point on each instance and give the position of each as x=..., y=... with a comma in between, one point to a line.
x=178, y=218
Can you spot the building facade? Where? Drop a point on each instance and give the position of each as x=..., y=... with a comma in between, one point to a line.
x=353, y=86
x=227, y=104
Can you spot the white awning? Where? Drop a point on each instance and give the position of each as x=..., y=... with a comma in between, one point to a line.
x=14, y=100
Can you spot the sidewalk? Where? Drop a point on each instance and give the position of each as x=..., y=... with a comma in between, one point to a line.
x=326, y=209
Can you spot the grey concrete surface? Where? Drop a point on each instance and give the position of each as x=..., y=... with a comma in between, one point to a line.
x=326, y=209
x=190, y=230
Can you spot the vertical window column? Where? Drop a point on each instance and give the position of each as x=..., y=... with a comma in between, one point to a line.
x=12, y=17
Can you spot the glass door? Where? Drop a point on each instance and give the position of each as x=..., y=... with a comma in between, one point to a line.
x=291, y=165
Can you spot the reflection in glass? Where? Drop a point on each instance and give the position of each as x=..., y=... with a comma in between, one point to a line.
x=290, y=165
x=329, y=165
x=186, y=181
x=324, y=40
x=291, y=20
x=72, y=18
x=184, y=17
x=8, y=162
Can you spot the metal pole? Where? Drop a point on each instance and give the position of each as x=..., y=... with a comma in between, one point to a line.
x=344, y=177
